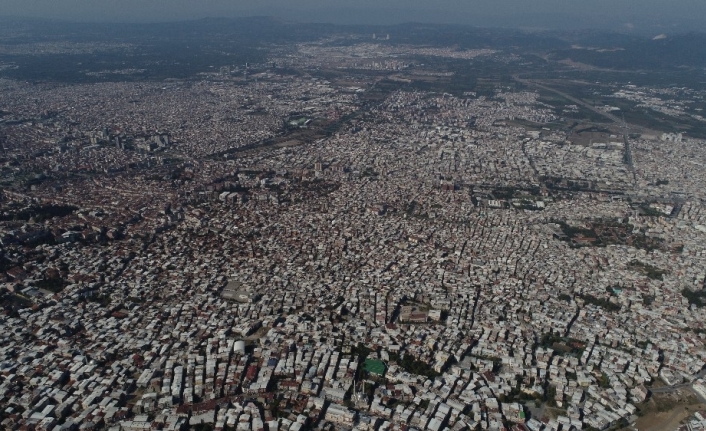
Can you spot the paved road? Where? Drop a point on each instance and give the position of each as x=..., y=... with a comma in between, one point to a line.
x=668, y=389
x=673, y=388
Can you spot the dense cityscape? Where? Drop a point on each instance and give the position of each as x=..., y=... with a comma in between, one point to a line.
x=318, y=241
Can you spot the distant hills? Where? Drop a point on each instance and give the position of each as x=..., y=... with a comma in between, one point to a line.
x=615, y=51
x=192, y=44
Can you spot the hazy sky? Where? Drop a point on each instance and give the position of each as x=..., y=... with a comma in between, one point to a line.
x=475, y=12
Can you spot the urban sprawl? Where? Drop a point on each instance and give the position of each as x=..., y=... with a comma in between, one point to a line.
x=259, y=250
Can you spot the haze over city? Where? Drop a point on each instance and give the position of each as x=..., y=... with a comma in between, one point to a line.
x=326, y=215
x=644, y=15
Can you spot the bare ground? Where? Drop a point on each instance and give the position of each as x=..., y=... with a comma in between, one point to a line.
x=664, y=412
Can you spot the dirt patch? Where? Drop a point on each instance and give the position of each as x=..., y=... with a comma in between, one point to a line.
x=667, y=421
x=587, y=134
x=290, y=143
x=561, y=347
x=553, y=413
x=658, y=383
x=664, y=412
x=255, y=336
